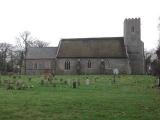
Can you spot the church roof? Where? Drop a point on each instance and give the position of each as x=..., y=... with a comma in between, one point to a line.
x=41, y=53
x=109, y=47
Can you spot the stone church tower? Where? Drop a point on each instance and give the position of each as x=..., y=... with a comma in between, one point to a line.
x=134, y=45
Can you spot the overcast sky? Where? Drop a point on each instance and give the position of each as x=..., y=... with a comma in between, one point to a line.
x=51, y=20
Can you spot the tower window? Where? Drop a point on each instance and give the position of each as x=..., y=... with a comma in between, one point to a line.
x=67, y=65
x=132, y=29
x=89, y=63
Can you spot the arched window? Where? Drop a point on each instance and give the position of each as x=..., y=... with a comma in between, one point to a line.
x=67, y=65
x=35, y=65
x=132, y=29
x=89, y=64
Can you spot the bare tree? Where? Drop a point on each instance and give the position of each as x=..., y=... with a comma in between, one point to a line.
x=17, y=60
x=23, y=42
x=5, y=50
x=39, y=43
x=149, y=56
x=155, y=65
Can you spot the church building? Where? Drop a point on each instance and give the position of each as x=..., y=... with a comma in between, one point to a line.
x=91, y=55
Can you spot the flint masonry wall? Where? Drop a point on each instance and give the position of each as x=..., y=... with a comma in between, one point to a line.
x=122, y=64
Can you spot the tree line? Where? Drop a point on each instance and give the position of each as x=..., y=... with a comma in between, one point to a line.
x=12, y=57
x=152, y=61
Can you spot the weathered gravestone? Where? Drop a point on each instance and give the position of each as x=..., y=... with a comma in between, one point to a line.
x=65, y=82
x=115, y=73
x=74, y=84
x=87, y=81
x=48, y=79
x=42, y=82
x=69, y=83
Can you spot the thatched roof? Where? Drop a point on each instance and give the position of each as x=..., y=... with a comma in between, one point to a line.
x=41, y=53
x=110, y=47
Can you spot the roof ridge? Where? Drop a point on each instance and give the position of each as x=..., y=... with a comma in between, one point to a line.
x=42, y=47
x=89, y=38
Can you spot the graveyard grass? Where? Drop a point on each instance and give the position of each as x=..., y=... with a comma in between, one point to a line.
x=130, y=98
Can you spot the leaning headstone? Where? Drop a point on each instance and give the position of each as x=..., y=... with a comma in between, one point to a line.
x=65, y=82
x=74, y=84
x=87, y=81
x=42, y=82
x=69, y=83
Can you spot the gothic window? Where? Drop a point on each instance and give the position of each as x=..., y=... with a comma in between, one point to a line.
x=89, y=64
x=132, y=29
x=67, y=65
x=35, y=66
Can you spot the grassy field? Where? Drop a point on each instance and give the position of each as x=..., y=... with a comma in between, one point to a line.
x=131, y=98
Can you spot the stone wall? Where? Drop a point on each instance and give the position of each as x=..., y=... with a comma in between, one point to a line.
x=121, y=64
x=39, y=66
x=137, y=59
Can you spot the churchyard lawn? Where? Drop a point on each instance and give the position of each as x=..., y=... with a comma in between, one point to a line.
x=130, y=98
